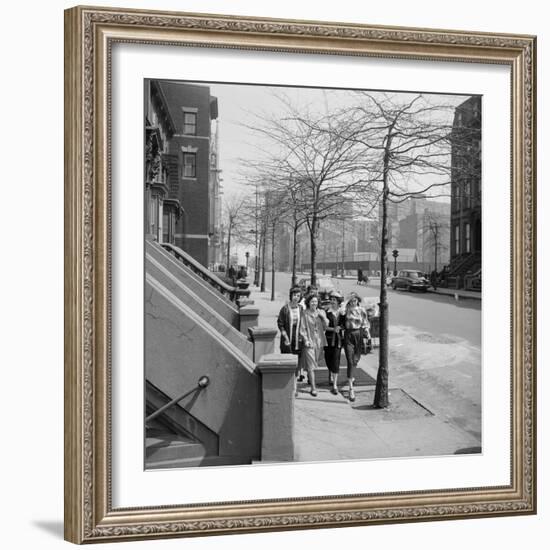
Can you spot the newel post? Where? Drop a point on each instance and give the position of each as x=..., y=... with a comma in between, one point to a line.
x=263, y=341
x=278, y=386
x=248, y=316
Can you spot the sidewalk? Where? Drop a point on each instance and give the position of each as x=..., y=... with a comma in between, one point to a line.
x=330, y=427
x=457, y=293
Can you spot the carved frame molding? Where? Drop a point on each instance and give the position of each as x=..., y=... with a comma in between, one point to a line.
x=89, y=35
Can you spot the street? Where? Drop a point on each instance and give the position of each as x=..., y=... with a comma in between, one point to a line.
x=435, y=349
x=424, y=312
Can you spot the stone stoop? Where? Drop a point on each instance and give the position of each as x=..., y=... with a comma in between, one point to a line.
x=167, y=451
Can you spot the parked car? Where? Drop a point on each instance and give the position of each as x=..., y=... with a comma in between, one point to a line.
x=325, y=286
x=411, y=280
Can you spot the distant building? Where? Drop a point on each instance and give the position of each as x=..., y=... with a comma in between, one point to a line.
x=182, y=173
x=367, y=235
x=465, y=233
x=408, y=232
x=421, y=224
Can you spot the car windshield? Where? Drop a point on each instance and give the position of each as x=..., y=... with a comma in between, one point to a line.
x=414, y=274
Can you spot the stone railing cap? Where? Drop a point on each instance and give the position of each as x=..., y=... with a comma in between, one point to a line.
x=278, y=359
x=262, y=331
x=249, y=310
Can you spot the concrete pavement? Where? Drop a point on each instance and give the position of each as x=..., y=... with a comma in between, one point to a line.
x=426, y=417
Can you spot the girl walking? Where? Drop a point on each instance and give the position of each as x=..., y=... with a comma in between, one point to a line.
x=312, y=334
x=333, y=333
x=356, y=326
x=288, y=322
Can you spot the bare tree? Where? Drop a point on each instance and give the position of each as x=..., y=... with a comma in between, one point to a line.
x=236, y=221
x=406, y=141
x=320, y=168
x=294, y=217
x=437, y=235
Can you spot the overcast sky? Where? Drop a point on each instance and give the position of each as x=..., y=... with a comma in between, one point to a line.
x=240, y=105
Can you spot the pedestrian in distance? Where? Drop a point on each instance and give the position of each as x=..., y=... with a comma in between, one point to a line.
x=311, y=290
x=333, y=334
x=231, y=273
x=359, y=276
x=433, y=279
x=312, y=335
x=242, y=273
x=356, y=324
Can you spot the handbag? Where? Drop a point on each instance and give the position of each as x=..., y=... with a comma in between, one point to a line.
x=366, y=342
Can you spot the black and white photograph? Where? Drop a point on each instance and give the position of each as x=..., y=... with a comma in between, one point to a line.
x=282, y=314
x=313, y=274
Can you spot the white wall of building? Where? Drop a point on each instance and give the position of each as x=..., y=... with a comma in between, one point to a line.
x=32, y=280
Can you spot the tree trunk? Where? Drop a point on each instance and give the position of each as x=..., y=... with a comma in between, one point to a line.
x=262, y=287
x=343, y=249
x=313, y=247
x=435, y=255
x=294, y=254
x=273, y=262
x=228, y=249
x=381, y=394
x=257, y=246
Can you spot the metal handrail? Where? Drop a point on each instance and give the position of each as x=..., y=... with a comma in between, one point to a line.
x=233, y=292
x=201, y=385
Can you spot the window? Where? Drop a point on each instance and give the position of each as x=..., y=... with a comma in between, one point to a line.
x=457, y=195
x=457, y=239
x=189, y=165
x=467, y=237
x=165, y=227
x=190, y=123
x=467, y=193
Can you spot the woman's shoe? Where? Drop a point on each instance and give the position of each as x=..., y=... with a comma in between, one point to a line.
x=334, y=391
x=352, y=396
x=313, y=393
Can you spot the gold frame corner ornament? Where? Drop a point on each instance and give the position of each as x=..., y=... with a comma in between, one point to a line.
x=89, y=35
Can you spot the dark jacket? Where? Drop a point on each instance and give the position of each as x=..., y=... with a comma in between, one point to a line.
x=284, y=324
x=335, y=321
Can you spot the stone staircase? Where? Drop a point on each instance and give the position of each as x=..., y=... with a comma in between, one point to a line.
x=175, y=279
x=461, y=267
x=189, y=334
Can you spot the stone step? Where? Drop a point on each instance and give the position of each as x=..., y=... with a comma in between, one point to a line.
x=167, y=446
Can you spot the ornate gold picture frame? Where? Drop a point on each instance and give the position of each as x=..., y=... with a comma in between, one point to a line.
x=90, y=36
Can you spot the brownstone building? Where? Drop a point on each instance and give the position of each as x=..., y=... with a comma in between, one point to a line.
x=465, y=230
x=181, y=172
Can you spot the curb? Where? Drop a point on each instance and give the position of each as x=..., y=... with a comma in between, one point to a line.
x=457, y=295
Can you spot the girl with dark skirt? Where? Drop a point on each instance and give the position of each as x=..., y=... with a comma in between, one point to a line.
x=333, y=349
x=356, y=326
